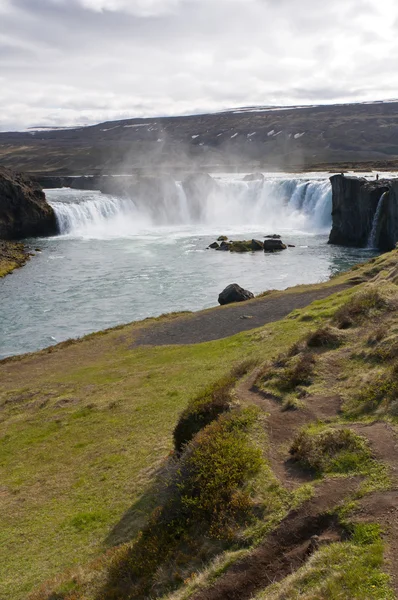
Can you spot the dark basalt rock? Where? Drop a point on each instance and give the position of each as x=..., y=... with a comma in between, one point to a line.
x=274, y=245
x=214, y=246
x=234, y=293
x=354, y=205
x=257, y=245
x=273, y=236
x=24, y=211
x=224, y=246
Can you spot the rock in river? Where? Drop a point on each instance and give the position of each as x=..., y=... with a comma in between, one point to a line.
x=274, y=245
x=234, y=293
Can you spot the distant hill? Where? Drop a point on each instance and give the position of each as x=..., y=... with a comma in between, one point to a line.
x=334, y=136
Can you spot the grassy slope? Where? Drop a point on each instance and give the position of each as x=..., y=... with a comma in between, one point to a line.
x=84, y=428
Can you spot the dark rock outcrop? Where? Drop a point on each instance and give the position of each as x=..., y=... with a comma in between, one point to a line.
x=234, y=293
x=354, y=205
x=24, y=211
x=274, y=245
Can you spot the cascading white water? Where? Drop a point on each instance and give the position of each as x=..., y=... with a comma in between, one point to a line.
x=274, y=203
x=372, y=240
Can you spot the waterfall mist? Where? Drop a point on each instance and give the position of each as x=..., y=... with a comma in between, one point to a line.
x=280, y=203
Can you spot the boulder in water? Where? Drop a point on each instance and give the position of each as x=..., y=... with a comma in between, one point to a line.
x=24, y=210
x=224, y=246
x=274, y=245
x=214, y=245
x=257, y=245
x=222, y=238
x=239, y=246
x=234, y=293
x=273, y=236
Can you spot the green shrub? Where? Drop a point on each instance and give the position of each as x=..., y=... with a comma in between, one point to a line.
x=206, y=496
x=208, y=405
x=214, y=470
x=332, y=451
x=298, y=373
x=288, y=372
x=324, y=337
x=383, y=389
x=360, y=307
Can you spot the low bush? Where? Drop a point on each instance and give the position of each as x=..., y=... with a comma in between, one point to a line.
x=381, y=390
x=331, y=450
x=297, y=373
x=206, y=495
x=290, y=371
x=324, y=337
x=360, y=307
x=385, y=350
x=208, y=405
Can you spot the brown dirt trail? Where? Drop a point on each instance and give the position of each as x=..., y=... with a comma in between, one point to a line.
x=224, y=321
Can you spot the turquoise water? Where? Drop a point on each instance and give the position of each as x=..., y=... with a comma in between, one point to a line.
x=120, y=266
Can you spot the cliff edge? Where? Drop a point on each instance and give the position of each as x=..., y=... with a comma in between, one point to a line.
x=364, y=213
x=24, y=211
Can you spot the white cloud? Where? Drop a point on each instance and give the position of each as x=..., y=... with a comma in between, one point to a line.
x=74, y=61
x=143, y=8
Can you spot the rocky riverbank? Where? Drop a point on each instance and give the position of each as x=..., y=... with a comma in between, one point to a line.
x=24, y=212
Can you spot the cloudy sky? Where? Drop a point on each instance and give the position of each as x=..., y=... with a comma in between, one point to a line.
x=67, y=62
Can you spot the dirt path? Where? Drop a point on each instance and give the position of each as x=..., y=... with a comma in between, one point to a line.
x=289, y=546
x=225, y=321
x=282, y=425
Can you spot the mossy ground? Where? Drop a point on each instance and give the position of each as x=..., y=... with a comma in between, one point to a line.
x=12, y=256
x=86, y=428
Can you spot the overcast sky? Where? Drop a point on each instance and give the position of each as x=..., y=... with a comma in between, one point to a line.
x=67, y=62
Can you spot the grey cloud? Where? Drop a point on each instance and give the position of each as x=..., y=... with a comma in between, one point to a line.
x=75, y=61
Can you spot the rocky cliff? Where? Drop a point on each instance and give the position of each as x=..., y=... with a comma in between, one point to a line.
x=355, y=216
x=24, y=211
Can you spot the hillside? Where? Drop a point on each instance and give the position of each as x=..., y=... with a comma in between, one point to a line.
x=283, y=470
x=311, y=137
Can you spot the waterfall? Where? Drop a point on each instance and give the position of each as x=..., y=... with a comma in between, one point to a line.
x=273, y=204
x=374, y=232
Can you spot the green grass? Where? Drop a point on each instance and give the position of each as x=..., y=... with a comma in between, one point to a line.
x=86, y=430
x=328, y=450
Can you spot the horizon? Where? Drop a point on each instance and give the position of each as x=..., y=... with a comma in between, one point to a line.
x=233, y=110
